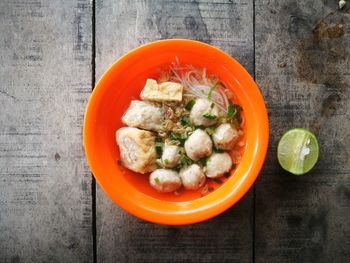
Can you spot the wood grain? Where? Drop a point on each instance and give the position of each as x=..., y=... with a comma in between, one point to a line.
x=121, y=26
x=45, y=184
x=302, y=65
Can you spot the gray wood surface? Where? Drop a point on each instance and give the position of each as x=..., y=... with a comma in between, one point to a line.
x=300, y=53
x=302, y=65
x=45, y=184
x=121, y=26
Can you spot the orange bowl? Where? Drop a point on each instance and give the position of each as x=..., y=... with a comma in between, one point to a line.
x=123, y=82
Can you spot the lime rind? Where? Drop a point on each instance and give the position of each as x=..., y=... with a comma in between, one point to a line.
x=298, y=151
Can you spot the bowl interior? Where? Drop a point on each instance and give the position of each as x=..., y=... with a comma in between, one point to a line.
x=123, y=82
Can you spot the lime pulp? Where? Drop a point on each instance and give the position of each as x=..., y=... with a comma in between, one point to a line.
x=298, y=151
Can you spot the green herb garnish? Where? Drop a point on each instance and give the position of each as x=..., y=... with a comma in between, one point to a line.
x=222, y=120
x=185, y=161
x=119, y=162
x=177, y=168
x=210, y=189
x=227, y=174
x=159, y=149
x=203, y=161
x=209, y=116
x=210, y=130
x=190, y=104
x=234, y=112
x=185, y=121
x=218, y=150
x=166, y=161
x=234, y=166
x=230, y=111
x=156, y=180
x=218, y=181
x=181, y=137
x=211, y=91
x=199, y=127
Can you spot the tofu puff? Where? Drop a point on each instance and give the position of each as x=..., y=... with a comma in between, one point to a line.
x=137, y=149
x=144, y=115
x=162, y=92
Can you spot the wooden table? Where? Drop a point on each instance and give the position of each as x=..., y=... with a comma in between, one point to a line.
x=51, y=54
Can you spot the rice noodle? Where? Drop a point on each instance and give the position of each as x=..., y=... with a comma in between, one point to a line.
x=197, y=84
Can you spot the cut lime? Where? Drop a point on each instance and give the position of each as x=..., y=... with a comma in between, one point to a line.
x=297, y=151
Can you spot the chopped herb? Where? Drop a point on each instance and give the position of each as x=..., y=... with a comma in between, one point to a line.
x=177, y=168
x=185, y=121
x=211, y=91
x=199, y=127
x=234, y=111
x=222, y=120
x=218, y=150
x=158, y=139
x=174, y=142
x=230, y=111
x=234, y=166
x=174, y=136
x=166, y=161
x=159, y=149
x=180, y=137
x=218, y=181
x=227, y=174
x=156, y=180
x=119, y=162
x=209, y=116
x=203, y=161
x=185, y=161
x=212, y=105
x=190, y=104
x=210, y=130
x=210, y=189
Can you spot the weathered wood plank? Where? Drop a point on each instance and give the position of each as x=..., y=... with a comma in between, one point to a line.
x=122, y=25
x=45, y=184
x=302, y=65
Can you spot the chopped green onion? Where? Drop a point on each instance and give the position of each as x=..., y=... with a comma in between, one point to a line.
x=218, y=181
x=209, y=116
x=156, y=180
x=212, y=105
x=185, y=121
x=177, y=168
x=199, y=127
x=166, y=161
x=211, y=91
x=210, y=189
x=174, y=142
x=222, y=120
x=158, y=139
x=185, y=161
x=203, y=161
x=218, y=150
x=190, y=104
x=159, y=149
x=210, y=130
x=234, y=111
x=119, y=162
x=230, y=111
x=227, y=174
x=234, y=166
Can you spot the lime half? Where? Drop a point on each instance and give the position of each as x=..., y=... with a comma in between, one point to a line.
x=298, y=151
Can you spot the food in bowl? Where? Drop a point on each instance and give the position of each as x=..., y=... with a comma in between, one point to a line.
x=185, y=130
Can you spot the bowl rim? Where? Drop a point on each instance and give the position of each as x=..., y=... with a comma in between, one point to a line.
x=210, y=211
